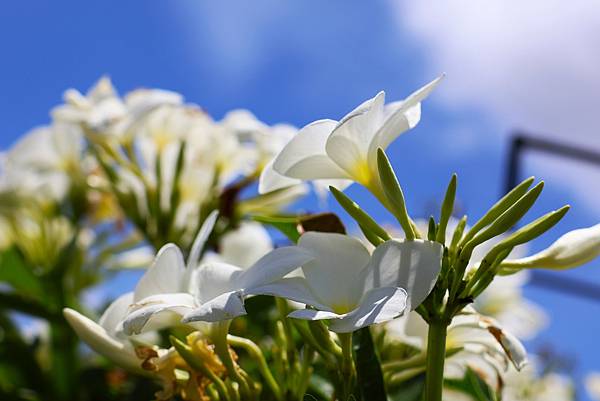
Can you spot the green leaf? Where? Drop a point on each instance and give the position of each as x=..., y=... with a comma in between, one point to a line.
x=393, y=192
x=409, y=390
x=361, y=217
x=15, y=272
x=370, y=377
x=447, y=209
x=473, y=385
x=499, y=207
x=508, y=219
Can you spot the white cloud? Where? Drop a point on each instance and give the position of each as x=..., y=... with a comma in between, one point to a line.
x=534, y=64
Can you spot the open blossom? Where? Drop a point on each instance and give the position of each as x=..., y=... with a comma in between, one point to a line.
x=101, y=108
x=347, y=150
x=44, y=161
x=351, y=288
x=170, y=293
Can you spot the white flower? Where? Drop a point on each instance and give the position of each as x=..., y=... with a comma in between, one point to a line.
x=164, y=292
x=44, y=161
x=530, y=385
x=211, y=292
x=104, y=337
x=243, y=246
x=102, y=108
x=570, y=250
x=353, y=289
x=327, y=149
x=99, y=107
x=592, y=385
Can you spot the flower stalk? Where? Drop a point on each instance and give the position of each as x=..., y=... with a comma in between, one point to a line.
x=436, y=354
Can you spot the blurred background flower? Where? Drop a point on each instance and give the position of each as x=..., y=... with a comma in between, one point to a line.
x=510, y=66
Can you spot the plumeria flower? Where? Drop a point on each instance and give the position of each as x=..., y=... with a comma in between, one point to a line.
x=101, y=107
x=347, y=150
x=592, y=385
x=98, y=107
x=351, y=288
x=164, y=292
x=211, y=292
x=242, y=246
x=105, y=337
x=267, y=141
x=570, y=250
x=531, y=385
x=44, y=161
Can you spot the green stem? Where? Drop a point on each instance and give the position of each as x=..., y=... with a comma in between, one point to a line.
x=219, y=339
x=347, y=366
x=436, y=354
x=254, y=351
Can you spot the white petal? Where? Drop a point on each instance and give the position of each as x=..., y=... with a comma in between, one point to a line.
x=224, y=307
x=377, y=306
x=113, y=315
x=312, y=314
x=570, y=250
x=511, y=345
x=292, y=288
x=349, y=142
x=157, y=312
x=213, y=279
x=164, y=276
x=274, y=265
x=100, y=341
x=270, y=180
x=592, y=385
x=245, y=245
x=201, y=239
x=400, y=117
x=304, y=157
x=412, y=265
x=334, y=276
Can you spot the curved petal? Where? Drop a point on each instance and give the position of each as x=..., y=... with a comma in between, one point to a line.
x=292, y=288
x=312, y=314
x=113, y=316
x=157, y=312
x=201, y=238
x=245, y=245
x=377, y=306
x=400, y=117
x=413, y=265
x=274, y=266
x=213, y=279
x=224, y=307
x=304, y=157
x=334, y=274
x=349, y=142
x=100, y=341
x=164, y=276
x=270, y=180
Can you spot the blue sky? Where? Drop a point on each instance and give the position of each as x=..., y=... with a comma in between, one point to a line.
x=507, y=67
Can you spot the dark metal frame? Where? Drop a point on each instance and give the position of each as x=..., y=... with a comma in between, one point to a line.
x=520, y=144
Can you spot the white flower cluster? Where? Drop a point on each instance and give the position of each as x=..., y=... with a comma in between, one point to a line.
x=176, y=177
